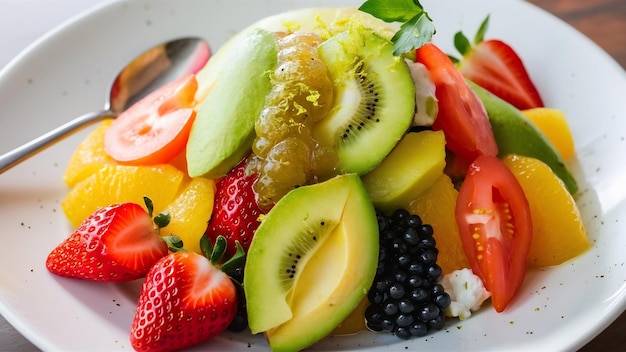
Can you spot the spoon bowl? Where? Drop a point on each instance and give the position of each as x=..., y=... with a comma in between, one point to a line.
x=150, y=70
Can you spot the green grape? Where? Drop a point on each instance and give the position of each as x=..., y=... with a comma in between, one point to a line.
x=286, y=155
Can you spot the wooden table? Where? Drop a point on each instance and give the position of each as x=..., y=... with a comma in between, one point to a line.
x=604, y=21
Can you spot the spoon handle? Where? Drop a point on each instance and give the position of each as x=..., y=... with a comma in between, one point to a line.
x=19, y=154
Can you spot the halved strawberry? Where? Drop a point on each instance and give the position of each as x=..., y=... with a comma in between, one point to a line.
x=115, y=243
x=495, y=66
x=235, y=212
x=185, y=299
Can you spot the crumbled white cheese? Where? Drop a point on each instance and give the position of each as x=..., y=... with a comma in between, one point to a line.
x=466, y=291
x=426, y=103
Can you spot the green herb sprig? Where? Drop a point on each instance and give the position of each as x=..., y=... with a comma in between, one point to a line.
x=417, y=27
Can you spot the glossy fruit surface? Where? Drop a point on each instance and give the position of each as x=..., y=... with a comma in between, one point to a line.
x=558, y=231
x=230, y=102
x=116, y=243
x=408, y=171
x=286, y=154
x=496, y=228
x=553, y=123
x=495, y=66
x=236, y=213
x=184, y=300
x=119, y=184
x=461, y=115
x=190, y=212
x=155, y=129
x=311, y=262
x=88, y=157
x=516, y=134
x=436, y=207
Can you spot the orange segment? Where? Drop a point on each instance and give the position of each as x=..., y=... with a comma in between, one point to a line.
x=190, y=213
x=558, y=231
x=89, y=157
x=553, y=124
x=436, y=207
x=118, y=183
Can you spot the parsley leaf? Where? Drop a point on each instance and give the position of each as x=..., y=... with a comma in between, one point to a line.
x=417, y=28
x=412, y=34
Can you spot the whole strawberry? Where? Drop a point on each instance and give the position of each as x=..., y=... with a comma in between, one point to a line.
x=185, y=300
x=116, y=243
x=235, y=211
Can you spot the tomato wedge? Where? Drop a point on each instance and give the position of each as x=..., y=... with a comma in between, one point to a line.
x=155, y=129
x=495, y=227
x=462, y=116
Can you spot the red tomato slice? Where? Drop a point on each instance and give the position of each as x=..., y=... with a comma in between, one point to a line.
x=495, y=227
x=155, y=129
x=462, y=116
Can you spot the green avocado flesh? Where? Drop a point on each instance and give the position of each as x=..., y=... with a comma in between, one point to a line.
x=311, y=261
x=374, y=99
x=516, y=134
x=238, y=77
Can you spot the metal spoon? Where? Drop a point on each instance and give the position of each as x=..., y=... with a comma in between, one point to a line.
x=150, y=70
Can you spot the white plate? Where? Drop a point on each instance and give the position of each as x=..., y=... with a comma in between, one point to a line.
x=69, y=71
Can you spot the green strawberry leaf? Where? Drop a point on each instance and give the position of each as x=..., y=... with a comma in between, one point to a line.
x=149, y=205
x=174, y=243
x=462, y=44
x=480, y=34
x=162, y=219
x=206, y=246
x=218, y=249
x=235, y=261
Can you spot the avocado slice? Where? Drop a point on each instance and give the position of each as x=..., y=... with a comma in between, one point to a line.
x=236, y=80
x=516, y=134
x=311, y=261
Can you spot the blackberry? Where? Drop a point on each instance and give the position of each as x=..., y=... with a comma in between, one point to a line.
x=406, y=297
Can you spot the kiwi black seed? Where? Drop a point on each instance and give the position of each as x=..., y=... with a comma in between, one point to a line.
x=301, y=245
x=365, y=114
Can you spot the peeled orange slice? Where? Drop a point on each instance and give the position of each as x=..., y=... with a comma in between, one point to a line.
x=436, y=207
x=190, y=212
x=558, y=231
x=88, y=157
x=118, y=183
x=553, y=124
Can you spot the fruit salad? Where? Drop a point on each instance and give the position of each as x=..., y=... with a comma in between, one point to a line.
x=329, y=171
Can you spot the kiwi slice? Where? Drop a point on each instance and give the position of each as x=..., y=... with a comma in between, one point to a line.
x=311, y=261
x=374, y=99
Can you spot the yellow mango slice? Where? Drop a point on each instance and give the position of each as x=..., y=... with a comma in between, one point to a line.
x=411, y=167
